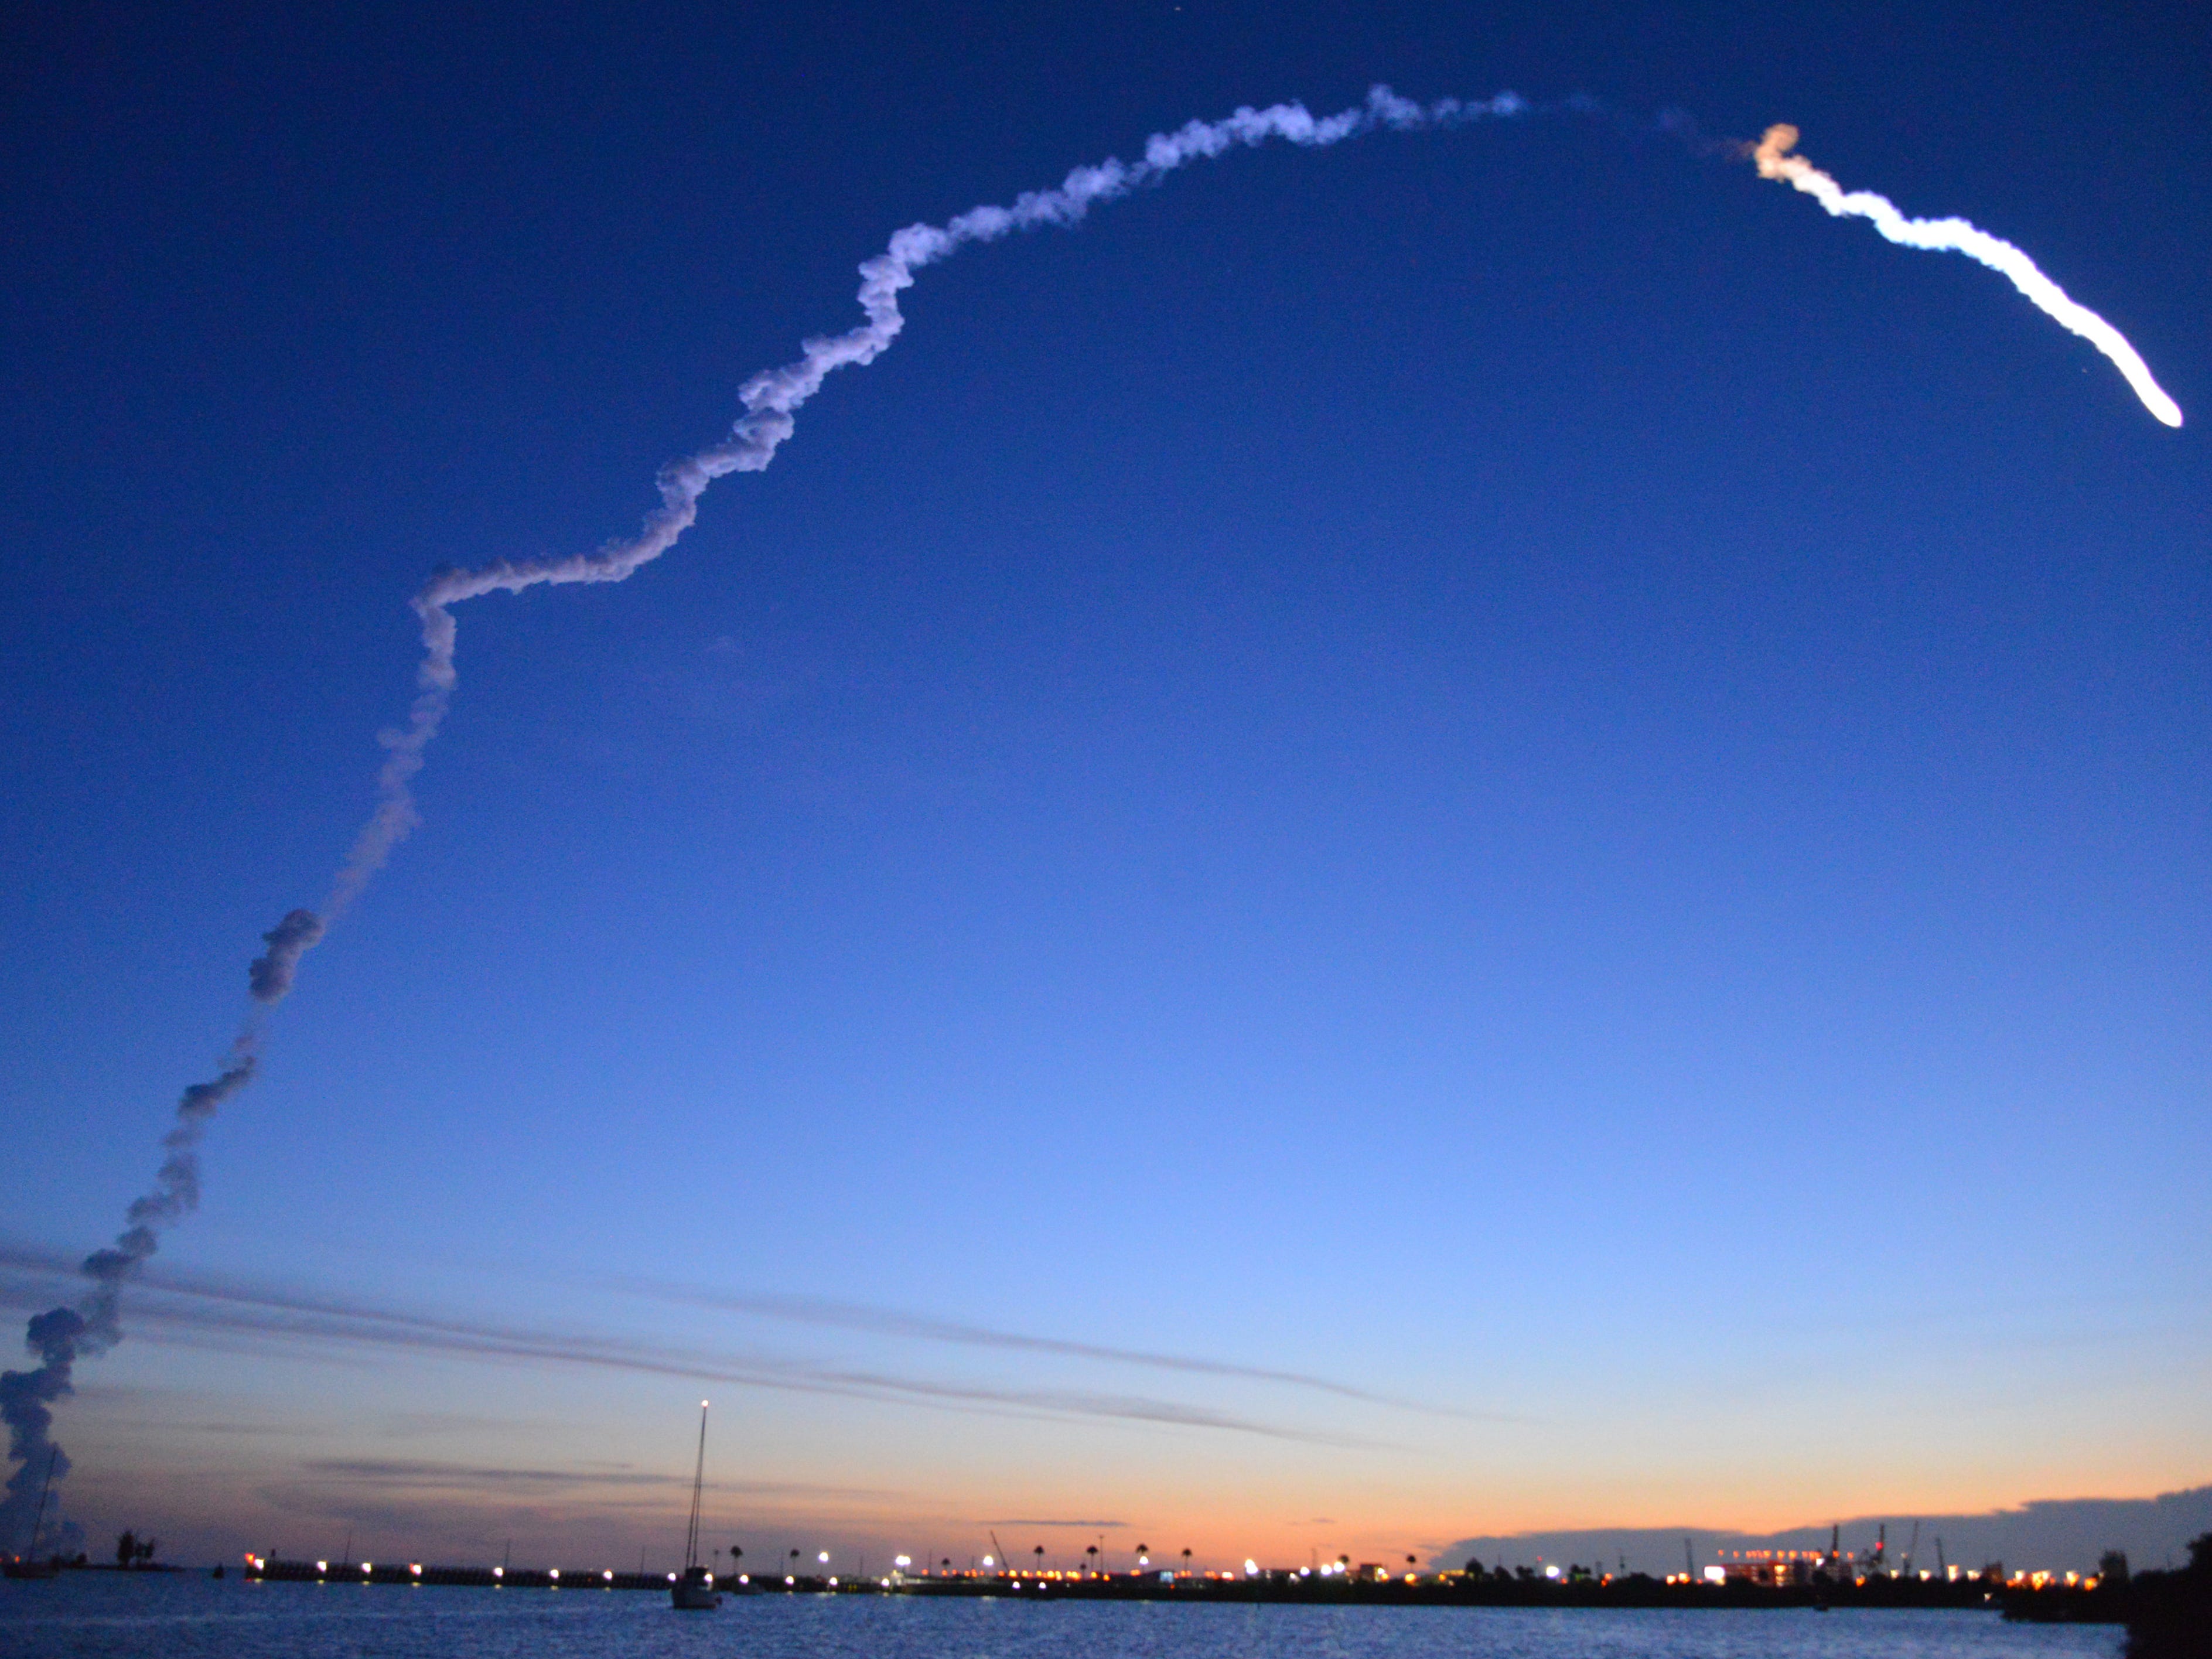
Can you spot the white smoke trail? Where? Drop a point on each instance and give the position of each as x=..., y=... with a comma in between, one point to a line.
x=1958, y=236
x=772, y=397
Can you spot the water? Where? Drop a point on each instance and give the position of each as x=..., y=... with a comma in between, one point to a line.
x=96, y=1615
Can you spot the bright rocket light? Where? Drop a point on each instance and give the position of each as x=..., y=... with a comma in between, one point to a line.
x=1958, y=236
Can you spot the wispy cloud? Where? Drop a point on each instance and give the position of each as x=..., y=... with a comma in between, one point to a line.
x=182, y=1308
x=887, y=1322
x=417, y=1472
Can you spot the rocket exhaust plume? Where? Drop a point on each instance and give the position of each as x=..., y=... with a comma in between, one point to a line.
x=772, y=397
x=270, y=977
x=60, y=1336
x=772, y=400
x=1772, y=156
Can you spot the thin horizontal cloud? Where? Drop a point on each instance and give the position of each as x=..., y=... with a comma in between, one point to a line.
x=395, y=1514
x=171, y=1307
x=887, y=1322
x=407, y=1472
x=1095, y=1526
x=421, y=1473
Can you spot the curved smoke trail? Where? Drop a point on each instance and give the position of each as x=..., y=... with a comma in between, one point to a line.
x=1772, y=154
x=772, y=400
x=772, y=397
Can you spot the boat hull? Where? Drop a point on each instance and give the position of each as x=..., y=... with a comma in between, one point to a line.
x=695, y=1592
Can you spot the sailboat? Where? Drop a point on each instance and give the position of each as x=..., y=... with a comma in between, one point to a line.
x=27, y=1566
x=694, y=1591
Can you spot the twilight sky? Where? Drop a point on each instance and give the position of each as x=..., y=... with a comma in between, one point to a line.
x=1484, y=831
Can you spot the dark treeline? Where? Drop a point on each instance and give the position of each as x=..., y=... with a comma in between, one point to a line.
x=2168, y=1614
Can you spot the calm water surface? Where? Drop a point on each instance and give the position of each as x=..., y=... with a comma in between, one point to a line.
x=104, y=1614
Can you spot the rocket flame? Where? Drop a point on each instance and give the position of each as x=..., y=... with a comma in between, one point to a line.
x=1772, y=156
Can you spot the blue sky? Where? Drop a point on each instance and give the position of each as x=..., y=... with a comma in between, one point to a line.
x=1505, y=768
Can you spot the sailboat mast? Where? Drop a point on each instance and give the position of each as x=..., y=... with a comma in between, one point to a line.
x=698, y=1481
x=44, y=1492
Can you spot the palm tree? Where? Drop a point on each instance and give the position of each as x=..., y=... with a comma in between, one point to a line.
x=1091, y=1550
x=1040, y=1556
x=1186, y=1561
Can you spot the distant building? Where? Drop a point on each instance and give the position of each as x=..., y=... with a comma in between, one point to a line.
x=1772, y=1567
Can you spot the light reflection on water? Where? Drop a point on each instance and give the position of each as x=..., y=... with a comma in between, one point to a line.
x=94, y=1615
